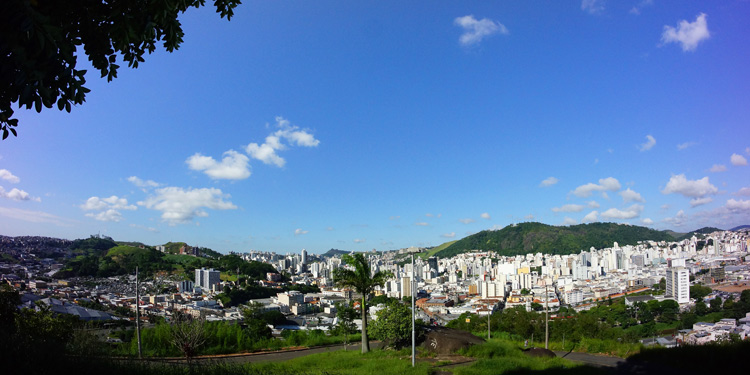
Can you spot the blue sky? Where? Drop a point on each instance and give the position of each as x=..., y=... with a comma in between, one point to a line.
x=361, y=125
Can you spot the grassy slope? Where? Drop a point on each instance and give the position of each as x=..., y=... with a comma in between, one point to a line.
x=436, y=250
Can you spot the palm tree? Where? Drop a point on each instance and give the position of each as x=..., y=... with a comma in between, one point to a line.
x=363, y=281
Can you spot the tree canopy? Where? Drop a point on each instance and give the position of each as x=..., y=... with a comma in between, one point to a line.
x=363, y=281
x=40, y=42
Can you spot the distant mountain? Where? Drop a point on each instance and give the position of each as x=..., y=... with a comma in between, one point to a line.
x=698, y=232
x=740, y=227
x=528, y=238
x=334, y=252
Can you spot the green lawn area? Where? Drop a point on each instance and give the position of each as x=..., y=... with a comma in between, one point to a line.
x=435, y=250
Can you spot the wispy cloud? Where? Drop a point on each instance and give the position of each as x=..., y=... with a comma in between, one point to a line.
x=593, y=6
x=700, y=201
x=448, y=235
x=359, y=240
x=485, y=215
x=649, y=144
x=299, y=232
x=687, y=34
x=476, y=30
x=421, y=224
x=636, y=10
x=683, y=146
x=549, y=181
x=718, y=168
x=467, y=220
x=568, y=208
x=35, y=216
x=148, y=184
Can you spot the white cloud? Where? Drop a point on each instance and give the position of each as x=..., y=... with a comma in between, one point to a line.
x=429, y=215
x=529, y=217
x=18, y=195
x=485, y=216
x=492, y=228
x=631, y=196
x=718, y=168
x=738, y=205
x=650, y=143
x=34, y=216
x=647, y=221
x=298, y=232
x=475, y=30
x=113, y=202
x=745, y=191
x=359, y=240
x=394, y=217
x=747, y=150
x=593, y=204
x=700, y=201
x=605, y=184
x=448, y=235
x=590, y=217
x=143, y=184
x=467, y=220
x=7, y=176
x=568, y=208
x=678, y=220
x=234, y=166
x=421, y=224
x=738, y=160
x=266, y=152
x=637, y=9
x=569, y=221
x=549, y=181
x=689, y=188
x=592, y=6
x=179, y=205
x=683, y=146
x=329, y=229
x=107, y=215
x=109, y=208
x=150, y=229
x=687, y=34
x=628, y=213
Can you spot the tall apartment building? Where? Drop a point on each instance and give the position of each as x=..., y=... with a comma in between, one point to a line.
x=678, y=284
x=206, y=278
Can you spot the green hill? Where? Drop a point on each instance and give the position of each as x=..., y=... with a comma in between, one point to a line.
x=528, y=238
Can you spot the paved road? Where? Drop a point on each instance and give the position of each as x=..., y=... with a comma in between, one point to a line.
x=591, y=359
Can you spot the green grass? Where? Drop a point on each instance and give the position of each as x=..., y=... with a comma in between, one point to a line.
x=435, y=250
x=377, y=362
x=499, y=356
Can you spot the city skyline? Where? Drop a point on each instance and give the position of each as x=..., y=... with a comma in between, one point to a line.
x=390, y=125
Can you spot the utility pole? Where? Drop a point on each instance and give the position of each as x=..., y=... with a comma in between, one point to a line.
x=137, y=314
x=489, y=314
x=546, y=316
x=413, y=316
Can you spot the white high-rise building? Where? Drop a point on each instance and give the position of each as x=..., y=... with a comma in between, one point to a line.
x=206, y=278
x=678, y=284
